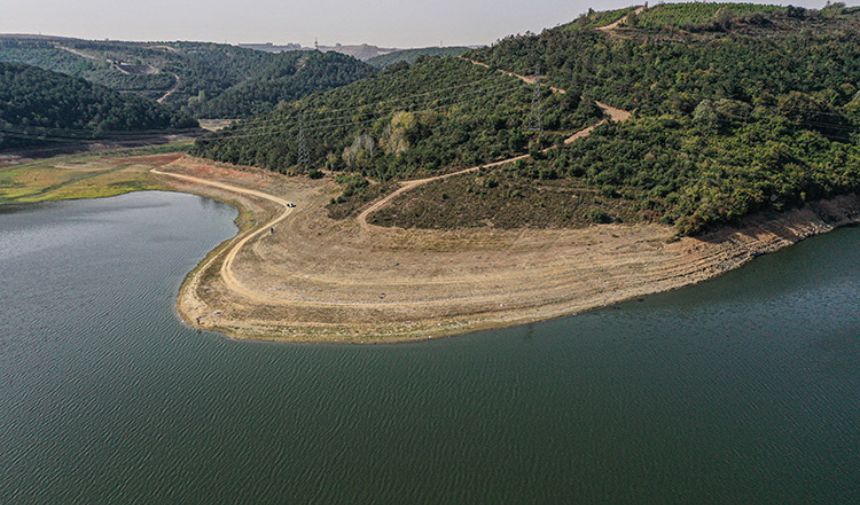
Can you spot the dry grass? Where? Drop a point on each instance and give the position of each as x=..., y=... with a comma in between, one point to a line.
x=504, y=198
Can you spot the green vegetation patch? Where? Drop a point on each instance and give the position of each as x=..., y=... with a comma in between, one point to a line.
x=695, y=15
x=725, y=161
x=82, y=176
x=527, y=194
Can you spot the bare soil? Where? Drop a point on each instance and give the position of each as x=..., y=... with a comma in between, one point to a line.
x=321, y=280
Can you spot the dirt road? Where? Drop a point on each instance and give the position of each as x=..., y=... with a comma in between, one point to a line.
x=612, y=26
x=78, y=53
x=528, y=79
x=227, y=266
x=172, y=90
x=410, y=185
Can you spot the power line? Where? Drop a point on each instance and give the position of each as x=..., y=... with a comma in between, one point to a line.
x=304, y=156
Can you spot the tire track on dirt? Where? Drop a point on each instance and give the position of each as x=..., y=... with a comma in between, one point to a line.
x=226, y=271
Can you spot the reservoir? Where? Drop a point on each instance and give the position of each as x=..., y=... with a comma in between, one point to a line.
x=744, y=389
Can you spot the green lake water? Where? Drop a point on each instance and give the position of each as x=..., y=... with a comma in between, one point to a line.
x=742, y=390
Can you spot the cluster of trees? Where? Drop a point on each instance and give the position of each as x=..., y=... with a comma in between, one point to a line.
x=724, y=16
x=436, y=114
x=215, y=80
x=717, y=165
x=37, y=105
x=656, y=75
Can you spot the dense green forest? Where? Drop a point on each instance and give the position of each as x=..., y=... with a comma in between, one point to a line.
x=207, y=80
x=38, y=105
x=434, y=115
x=736, y=108
x=412, y=55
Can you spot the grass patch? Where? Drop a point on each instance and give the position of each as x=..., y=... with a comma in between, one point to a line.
x=73, y=177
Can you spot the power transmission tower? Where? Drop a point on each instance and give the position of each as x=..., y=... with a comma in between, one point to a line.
x=304, y=157
x=535, y=120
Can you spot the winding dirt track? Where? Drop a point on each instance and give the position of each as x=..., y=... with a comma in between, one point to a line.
x=227, y=274
x=172, y=90
x=407, y=186
x=612, y=26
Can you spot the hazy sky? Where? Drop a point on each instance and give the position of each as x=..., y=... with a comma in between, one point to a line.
x=398, y=23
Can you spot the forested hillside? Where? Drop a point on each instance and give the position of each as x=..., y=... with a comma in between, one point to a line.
x=37, y=105
x=736, y=108
x=411, y=119
x=190, y=76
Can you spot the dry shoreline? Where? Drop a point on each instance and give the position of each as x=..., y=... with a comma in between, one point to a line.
x=315, y=280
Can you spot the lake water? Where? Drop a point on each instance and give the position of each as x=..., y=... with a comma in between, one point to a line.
x=743, y=390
